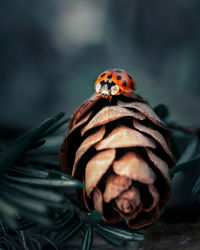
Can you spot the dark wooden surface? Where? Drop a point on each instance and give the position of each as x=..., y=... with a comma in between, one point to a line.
x=163, y=236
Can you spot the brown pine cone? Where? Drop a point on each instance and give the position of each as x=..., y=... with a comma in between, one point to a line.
x=118, y=147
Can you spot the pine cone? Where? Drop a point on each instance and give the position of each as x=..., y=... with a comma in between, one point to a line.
x=119, y=148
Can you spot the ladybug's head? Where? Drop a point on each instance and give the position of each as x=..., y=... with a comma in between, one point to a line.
x=114, y=82
x=107, y=87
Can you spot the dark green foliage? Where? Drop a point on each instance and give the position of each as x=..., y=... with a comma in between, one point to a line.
x=162, y=111
x=187, y=158
x=56, y=127
x=26, y=188
x=50, y=182
x=33, y=192
x=24, y=142
x=182, y=166
x=196, y=187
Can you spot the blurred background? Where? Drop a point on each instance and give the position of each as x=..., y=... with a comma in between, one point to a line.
x=52, y=51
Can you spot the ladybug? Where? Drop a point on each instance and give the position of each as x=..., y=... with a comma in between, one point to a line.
x=114, y=82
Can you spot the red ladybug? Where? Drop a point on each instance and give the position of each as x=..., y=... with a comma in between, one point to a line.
x=114, y=82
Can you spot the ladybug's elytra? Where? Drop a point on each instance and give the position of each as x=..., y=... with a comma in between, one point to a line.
x=114, y=82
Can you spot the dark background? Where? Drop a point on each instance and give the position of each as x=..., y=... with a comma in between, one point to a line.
x=52, y=51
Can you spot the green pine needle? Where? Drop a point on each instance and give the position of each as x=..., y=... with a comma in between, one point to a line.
x=41, y=194
x=65, y=235
x=24, y=142
x=48, y=182
x=56, y=127
x=25, y=191
x=186, y=158
x=87, y=239
x=121, y=233
x=45, y=125
x=196, y=187
x=182, y=166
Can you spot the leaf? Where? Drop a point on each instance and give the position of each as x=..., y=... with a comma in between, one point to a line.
x=93, y=217
x=42, y=194
x=37, y=144
x=24, y=202
x=121, y=233
x=30, y=172
x=49, y=182
x=54, y=119
x=35, y=244
x=67, y=234
x=62, y=222
x=24, y=223
x=9, y=210
x=48, y=243
x=185, y=160
x=56, y=127
x=62, y=175
x=189, y=151
x=196, y=187
x=87, y=239
x=74, y=201
x=24, y=142
x=162, y=111
x=50, y=120
x=112, y=240
x=8, y=213
x=39, y=218
x=184, y=165
x=63, y=219
x=44, y=174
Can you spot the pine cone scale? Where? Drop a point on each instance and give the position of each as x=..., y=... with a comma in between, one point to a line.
x=145, y=109
x=123, y=137
x=144, y=218
x=155, y=135
x=155, y=198
x=98, y=200
x=97, y=167
x=115, y=185
x=109, y=114
x=87, y=105
x=91, y=140
x=134, y=167
x=129, y=201
x=159, y=163
x=81, y=122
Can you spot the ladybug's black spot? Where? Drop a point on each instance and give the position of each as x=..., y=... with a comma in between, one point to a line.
x=132, y=86
x=109, y=77
x=102, y=75
x=119, y=71
x=119, y=77
x=129, y=77
x=112, y=83
x=102, y=82
x=124, y=83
